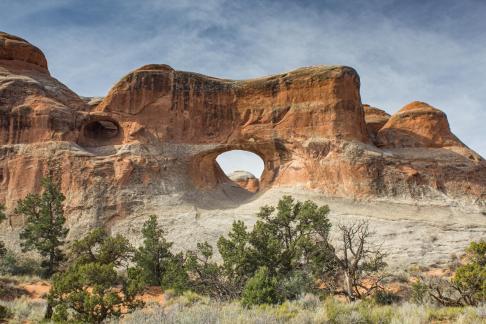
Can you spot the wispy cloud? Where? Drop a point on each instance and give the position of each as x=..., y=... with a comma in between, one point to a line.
x=404, y=50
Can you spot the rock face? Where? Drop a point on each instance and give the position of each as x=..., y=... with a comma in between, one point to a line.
x=375, y=119
x=245, y=180
x=13, y=48
x=150, y=145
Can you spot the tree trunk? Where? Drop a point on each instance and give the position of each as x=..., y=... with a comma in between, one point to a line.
x=48, y=314
x=50, y=270
x=348, y=286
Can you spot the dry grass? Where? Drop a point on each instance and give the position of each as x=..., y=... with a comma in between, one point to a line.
x=193, y=308
x=309, y=309
x=25, y=309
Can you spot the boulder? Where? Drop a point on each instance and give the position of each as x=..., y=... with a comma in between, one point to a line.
x=245, y=180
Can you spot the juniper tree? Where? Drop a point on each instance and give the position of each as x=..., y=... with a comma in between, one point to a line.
x=154, y=257
x=290, y=241
x=262, y=288
x=92, y=289
x=44, y=229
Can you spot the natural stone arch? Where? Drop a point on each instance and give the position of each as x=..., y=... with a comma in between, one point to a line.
x=243, y=168
x=206, y=173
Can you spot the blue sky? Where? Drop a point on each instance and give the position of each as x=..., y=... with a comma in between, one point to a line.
x=433, y=51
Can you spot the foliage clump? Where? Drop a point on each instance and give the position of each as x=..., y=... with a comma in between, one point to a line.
x=92, y=289
x=287, y=256
x=262, y=288
x=155, y=263
x=467, y=286
x=290, y=241
x=44, y=230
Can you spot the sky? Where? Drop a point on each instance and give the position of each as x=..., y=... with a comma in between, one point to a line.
x=432, y=51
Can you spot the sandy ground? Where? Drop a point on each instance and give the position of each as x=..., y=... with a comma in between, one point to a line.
x=411, y=234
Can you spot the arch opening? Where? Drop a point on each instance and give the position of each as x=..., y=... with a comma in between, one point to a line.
x=243, y=168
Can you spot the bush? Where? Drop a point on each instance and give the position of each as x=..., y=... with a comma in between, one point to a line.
x=91, y=289
x=309, y=301
x=419, y=292
x=19, y=265
x=383, y=297
x=4, y=313
x=468, y=285
x=296, y=285
x=175, y=275
x=290, y=240
x=470, y=278
x=25, y=310
x=261, y=289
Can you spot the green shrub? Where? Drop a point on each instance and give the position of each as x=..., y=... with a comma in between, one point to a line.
x=297, y=284
x=419, y=292
x=4, y=313
x=19, y=265
x=291, y=240
x=383, y=297
x=44, y=230
x=92, y=289
x=261, y=289
x=468, y=285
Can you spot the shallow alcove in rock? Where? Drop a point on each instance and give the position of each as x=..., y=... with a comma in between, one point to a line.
x=100, y=132
x=102, y=129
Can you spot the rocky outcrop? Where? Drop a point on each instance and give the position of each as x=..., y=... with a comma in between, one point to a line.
x=183, y=107
x=18, y=50
x=375, y=119
x=150, y=145
x=417, y=125
x=34, y=107
x=245, y=180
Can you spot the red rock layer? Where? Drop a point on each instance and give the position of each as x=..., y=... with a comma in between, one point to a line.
x=417, y=125
x=375, y=119
x=14, y=48
x=183, y=107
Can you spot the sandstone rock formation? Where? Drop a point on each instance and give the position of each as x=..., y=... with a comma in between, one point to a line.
x=150, y=145
x=375, y=119
x=13, y=48
x=417, y=125
x=245, y=180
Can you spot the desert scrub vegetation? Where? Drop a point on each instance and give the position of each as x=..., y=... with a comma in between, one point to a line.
x=282, y=270
x=23, y=310
x=308, y=309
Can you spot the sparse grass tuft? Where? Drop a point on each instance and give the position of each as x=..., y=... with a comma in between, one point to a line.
x=24, y=309
x=308, y=309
